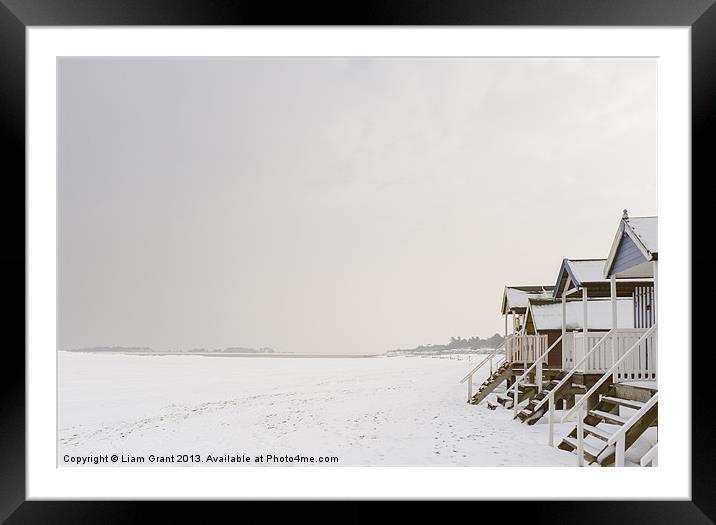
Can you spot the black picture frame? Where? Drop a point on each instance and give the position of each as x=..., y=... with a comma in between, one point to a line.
x=16, y=15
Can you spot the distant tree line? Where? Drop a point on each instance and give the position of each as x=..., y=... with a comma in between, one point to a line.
x=459, y=343
x=233, y=349
x=475, y=342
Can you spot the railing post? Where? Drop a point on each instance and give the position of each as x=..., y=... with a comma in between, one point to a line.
x=614, y=355
x=580, y=437
x=585, y=322
x=538, y=373
x=551, y=419
x=655, y=355
x=619, y=455
x=613, y=294
x=469, y=389
x=515, y=396
x=539, y=376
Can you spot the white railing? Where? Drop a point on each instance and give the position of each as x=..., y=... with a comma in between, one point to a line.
x=641, y=364
x=576, y=367
x=524, y=348
x=489, y=359
x=550, y=397
x=538, y=372
x=619, y=437
x=620, y=364
x=597, y=361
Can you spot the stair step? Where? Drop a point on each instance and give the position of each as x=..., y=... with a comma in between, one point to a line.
x=591, y=452
x=629, y=403
x=535, y=400
x=609, y=417
x=597, y=432
x=504, y=400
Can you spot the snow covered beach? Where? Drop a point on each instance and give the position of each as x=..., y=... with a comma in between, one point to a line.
x=367, y=412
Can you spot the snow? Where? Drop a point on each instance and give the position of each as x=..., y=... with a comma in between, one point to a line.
x=650, y=385
x=646, y=228
x=599, y=314
x=372, y=411
x=587, y=270
x=518, y=297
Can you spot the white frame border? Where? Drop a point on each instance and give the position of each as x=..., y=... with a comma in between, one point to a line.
x=671, y=480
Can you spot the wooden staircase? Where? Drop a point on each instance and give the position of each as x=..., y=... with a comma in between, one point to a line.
x=498, y=376
x=530, y=416
x=603, y=420
x=524, y=391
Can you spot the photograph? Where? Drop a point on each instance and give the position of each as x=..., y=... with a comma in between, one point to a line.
x=405, y=254
x=361, y=261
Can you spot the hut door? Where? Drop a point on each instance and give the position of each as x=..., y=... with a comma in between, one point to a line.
x=643, y=306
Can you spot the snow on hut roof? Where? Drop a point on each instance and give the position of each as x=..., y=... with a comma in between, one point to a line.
x=645, y=229
x=516, y=298
x=586, y=270
x=548, y=316
x=580, y=271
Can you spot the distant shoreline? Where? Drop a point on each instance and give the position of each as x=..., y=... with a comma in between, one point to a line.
x=219, y=354
x=273, y=354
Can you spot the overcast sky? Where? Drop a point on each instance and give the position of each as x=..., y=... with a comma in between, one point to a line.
x=335, y=205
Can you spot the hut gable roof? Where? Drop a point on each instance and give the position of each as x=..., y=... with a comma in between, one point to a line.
x=516, y=298
x=585, y=270
x=581, y=272
x=645, y=229
x=589, y=273
x=634, y=247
